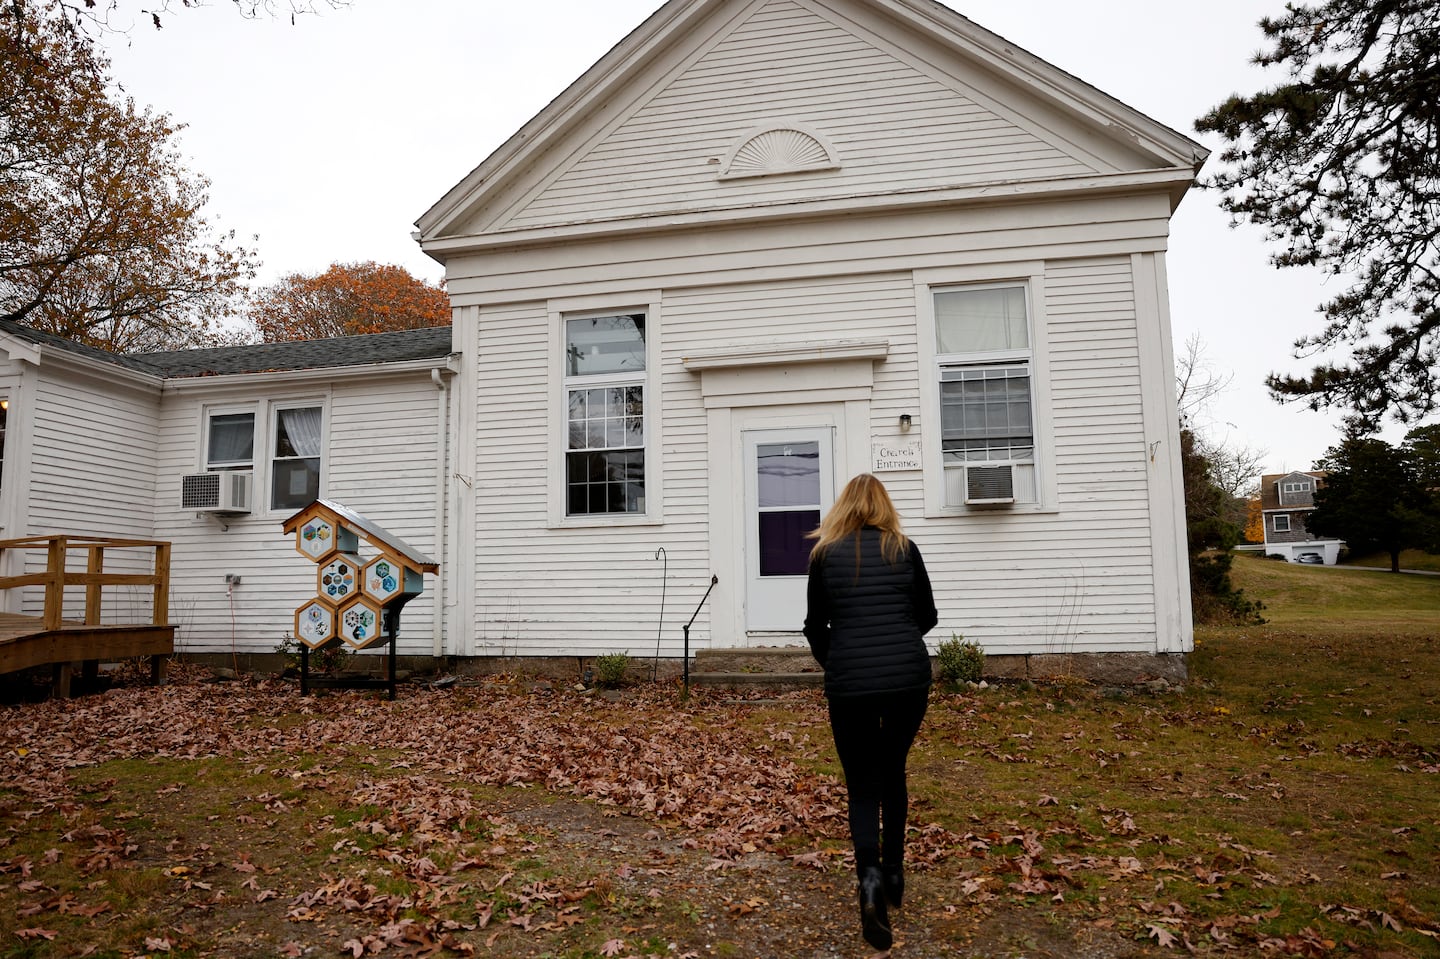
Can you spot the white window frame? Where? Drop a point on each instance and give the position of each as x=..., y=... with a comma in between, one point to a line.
x=573, y=308
x=1030, y=276
x=208, y=463
x=1278, y=517
x=271, y=437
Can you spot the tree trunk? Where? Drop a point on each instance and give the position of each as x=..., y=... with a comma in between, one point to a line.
x=1394, y=561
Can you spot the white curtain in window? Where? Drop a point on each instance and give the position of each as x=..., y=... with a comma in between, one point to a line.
x=302, y=428
x=232, y=437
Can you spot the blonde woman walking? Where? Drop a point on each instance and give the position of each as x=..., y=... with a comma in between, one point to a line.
x=869, y=605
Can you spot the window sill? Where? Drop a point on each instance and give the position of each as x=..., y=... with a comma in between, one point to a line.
x=1027, y=509
x=606, y=521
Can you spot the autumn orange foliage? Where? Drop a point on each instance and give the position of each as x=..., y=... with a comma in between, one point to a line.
x=347, y=299
x=1254, y=521
x=102, y=236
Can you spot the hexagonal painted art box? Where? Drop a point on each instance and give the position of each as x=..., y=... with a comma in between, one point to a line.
x=387, y=577
x=320, y=537
x=339, y=579
x=361, y=621
x=315, y=624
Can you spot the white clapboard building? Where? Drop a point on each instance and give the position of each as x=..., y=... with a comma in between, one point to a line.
x=760, y=247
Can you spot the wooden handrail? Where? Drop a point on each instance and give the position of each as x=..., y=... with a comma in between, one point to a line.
x=56, y=576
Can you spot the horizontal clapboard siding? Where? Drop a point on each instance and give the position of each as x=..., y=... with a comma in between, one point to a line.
x=92, y=472
x=1078, y=578
x=894, y=126
x=382, y=438
x=93, y=461
x=542, y=591
x=583, y=591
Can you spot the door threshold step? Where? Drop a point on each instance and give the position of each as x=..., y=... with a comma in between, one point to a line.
x=757, y=679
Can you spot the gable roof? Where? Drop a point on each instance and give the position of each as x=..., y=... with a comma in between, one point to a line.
x=657, y=53
x=334, y=352
x=1270, y=488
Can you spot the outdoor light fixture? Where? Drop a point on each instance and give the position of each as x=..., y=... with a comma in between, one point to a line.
x=904, y=422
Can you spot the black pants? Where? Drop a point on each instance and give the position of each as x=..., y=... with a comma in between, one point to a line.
x=873, y=735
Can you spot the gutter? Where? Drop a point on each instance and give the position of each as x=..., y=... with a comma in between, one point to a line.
x=183, y=384
x=442, y=457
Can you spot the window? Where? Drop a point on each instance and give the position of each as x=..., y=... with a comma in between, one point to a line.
x=1282, y=524
x=1297, y=487
x=295, y=459
x=4, y=416
x=984, y=360
x=230, y=441
x=605, y=414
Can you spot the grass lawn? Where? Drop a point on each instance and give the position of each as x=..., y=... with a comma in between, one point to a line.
x=1409, y=559
x=1283, y=803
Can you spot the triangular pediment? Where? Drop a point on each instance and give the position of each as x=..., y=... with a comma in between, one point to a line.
x=745, y=105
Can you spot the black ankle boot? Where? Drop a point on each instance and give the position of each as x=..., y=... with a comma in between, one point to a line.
x=894, y=880
x=874, y=919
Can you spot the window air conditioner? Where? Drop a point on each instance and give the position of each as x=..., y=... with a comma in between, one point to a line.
x=217, y=492
x=989, y=484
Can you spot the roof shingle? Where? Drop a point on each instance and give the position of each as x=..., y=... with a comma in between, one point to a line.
x=422, y=344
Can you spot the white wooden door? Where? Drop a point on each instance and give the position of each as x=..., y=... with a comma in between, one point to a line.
x=789, y=483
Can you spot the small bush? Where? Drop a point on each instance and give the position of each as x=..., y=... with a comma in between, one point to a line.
x=1213, y=598
x=960, y=662
x=332, y=659
x=610, y=669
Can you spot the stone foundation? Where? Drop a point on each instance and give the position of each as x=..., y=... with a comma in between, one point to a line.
x=774, y=664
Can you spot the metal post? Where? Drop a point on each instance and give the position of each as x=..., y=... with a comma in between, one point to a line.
x=685, y=696
x=394, y=631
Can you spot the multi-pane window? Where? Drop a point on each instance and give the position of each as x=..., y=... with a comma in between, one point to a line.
x=605, y=414
x=230, y=441
x=1282, y=523
x=983, y=357
x=295, y=457
x=1297, y=487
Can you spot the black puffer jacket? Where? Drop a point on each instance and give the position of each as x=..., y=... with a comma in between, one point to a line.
x=865, y=618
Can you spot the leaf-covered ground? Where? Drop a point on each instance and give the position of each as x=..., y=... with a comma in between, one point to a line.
x=1282, y=804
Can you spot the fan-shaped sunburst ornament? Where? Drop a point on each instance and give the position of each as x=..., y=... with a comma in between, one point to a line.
x=779, y=150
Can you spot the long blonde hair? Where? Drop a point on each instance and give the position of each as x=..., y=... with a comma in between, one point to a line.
x=863, y=502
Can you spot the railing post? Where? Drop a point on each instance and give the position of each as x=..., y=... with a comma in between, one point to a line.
x=685, y=695
x=55, y=582
x=161, y=605
x=93, y=568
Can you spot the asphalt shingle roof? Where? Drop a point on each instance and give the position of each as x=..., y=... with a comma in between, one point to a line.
x=422, y=344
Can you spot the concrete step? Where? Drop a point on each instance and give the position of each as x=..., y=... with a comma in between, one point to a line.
x=748, y=666
x=755, y=659
x=735, y=680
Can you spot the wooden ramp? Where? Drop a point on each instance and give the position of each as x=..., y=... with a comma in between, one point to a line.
x=50, y=639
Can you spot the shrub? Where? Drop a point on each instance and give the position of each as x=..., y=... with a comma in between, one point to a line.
x=960, y=662
x=332, y=659
x=1214, y=600
x=610, y=669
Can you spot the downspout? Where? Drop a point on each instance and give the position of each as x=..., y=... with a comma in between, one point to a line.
x=442, y=434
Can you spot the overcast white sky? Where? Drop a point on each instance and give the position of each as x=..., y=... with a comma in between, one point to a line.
x=329, y=138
